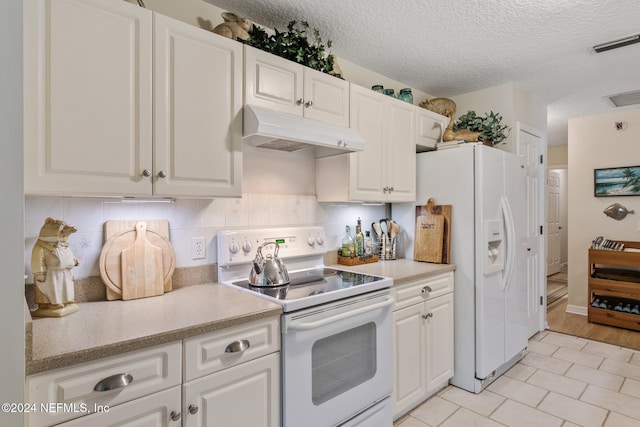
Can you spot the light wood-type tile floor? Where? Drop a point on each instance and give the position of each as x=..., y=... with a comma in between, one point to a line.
x=563, y=380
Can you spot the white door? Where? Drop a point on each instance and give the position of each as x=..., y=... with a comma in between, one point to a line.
x=517, y=257
x=489, y=288
x=272, y=82
x=88, y=97
x=553, y=222
x=400, y=151
x=244, y=395
x=439, y=341
x=367, y=170
x=326, y=98
x=409, y=348
x=532, y=148
x=198, y=111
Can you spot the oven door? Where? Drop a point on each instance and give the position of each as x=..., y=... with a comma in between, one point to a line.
x=336, y=360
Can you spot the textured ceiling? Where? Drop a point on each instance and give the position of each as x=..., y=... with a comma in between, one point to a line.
x=446, y=48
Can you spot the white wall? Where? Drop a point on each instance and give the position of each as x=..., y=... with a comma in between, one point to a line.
x=207, y=16
x=12, y=314
x=595, y=143
x=512, y=102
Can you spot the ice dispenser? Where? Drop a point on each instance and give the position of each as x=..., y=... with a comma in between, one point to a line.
x=494, y=236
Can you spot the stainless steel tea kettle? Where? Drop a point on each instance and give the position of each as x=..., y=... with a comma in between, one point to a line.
x=268, y=270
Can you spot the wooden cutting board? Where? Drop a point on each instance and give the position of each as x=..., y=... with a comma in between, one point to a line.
x=120, y=235
x=432, y=233
x=141, y=267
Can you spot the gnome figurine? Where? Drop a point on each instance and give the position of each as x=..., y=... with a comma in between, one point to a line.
x=51, y=264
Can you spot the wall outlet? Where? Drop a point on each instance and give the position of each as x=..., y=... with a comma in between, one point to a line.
x=198, y=247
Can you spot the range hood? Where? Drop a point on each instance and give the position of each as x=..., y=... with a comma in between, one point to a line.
x=274, y=130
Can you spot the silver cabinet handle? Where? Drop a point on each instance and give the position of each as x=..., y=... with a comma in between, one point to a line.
x=146, y=172
x=385, y=189
x=175, y=415
x=299, y=101
x=427, y=316
x=193, y=409
x=390, y=189
x=162, y=174
x=237, y=346
x=114, y=382
x=426, y=289
x=309, y=104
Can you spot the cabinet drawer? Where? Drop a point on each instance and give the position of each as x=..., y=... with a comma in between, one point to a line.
x=422, y=290
x=614, y=318
x=154, y=410
x=151, y=370
x=219, y=350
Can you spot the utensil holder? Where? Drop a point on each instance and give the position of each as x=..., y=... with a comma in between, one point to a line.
x=387, y=247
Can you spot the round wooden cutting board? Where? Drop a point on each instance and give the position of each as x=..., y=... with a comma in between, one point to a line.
x=111, y=261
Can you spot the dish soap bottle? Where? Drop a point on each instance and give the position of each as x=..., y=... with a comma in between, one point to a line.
x=359, y=240
x=348, y=249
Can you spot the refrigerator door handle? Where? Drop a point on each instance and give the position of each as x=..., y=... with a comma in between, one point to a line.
x=510, y=232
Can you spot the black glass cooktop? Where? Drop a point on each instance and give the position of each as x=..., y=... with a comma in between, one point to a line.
x=309, y=283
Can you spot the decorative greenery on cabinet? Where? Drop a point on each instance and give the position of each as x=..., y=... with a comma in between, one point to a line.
x=300, y=43
x=491, y=126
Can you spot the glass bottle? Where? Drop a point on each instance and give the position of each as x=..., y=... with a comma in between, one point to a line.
x=406, y=95
x=359, y=239
x=368, y=246
x=347, y=243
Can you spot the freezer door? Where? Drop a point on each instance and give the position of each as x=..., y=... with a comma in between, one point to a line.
x=490, y=248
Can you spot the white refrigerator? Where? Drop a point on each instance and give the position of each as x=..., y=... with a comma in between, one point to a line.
x=487, y=190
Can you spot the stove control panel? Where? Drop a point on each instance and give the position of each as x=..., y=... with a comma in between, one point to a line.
x=240, y=246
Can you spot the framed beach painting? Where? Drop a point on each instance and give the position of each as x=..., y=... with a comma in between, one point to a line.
x=624, y=181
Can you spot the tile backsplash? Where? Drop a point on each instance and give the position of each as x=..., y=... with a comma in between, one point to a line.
x=187, y=218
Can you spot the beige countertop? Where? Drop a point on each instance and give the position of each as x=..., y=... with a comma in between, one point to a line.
x=106, y=328
x=400, y=270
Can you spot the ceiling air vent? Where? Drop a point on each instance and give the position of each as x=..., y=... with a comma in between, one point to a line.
x=624, y=99
x=614, y=44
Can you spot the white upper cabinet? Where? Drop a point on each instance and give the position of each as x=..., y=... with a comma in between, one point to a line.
x=92, y=104
x=198, y=111
x=282, y=85
x=385, y=170
x=88, y=96
x=430, y=127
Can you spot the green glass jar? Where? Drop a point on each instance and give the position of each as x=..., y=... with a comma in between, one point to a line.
x=378, y=88
x=406, y=95
x=390, y=92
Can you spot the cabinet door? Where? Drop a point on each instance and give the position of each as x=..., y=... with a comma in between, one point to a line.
x=367, y=169
x=400, y=151
x=156, y=410
x=272, y=82
x=88, y=112
x=198, y=111
x=429, y=128
x=439, y=340
x=244, y=395
x=326, y=98
x=408, y=357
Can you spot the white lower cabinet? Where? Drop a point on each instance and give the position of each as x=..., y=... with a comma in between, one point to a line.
x=232, y=377
x=101, y=385
x=207, y=380
x=422, y=340
x=244, y=395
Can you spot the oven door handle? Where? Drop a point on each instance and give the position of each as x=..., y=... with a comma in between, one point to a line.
x=305, y=326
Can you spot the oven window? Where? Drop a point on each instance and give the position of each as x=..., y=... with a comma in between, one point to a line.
x=343, y=361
